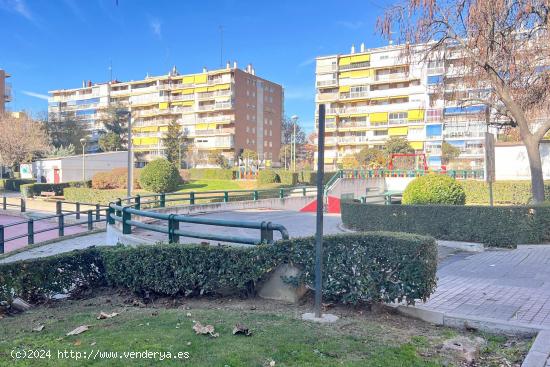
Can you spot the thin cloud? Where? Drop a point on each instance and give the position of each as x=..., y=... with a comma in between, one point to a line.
x=17, y=6
x=156, y=27
x=36, y=95
x=307, y=62
x=352, y=25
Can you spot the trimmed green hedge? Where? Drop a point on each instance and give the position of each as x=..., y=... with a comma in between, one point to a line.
x=211, y=174
x=287, y=177
x=503, y=226
x=160, y=175
x=359, y=267
x=34, y=189
x=434, y=189
x=310, y=177
x=85, y=195
x=504, y=192
x=13, y=184
x=267, y=176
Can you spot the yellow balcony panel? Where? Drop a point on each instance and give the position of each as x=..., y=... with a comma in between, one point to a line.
x=361, y=73
x=416, y=115
x=344, y=61
x=215, y=88
x=163, y=128
x=378, y=117
x=344, y=88
x=149, y=141
x=359, y=114
x=183, y=103
x=398, y=131
x=163, y=105
x=360, y=58
x=398, y=97
x=201, y=89
x=145, y=129
x=417, y=145
x=345, y=74
x=201, y=78
x=188, y=91
x=188, y=79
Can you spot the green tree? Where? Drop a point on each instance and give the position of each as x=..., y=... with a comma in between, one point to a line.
x=217, y=158
x=249, y=155
x=160, y=175
x=62, y=151
x=63, y=131
x=115, y=121
x=448, y=152
x=172, y=141
x=110, y=142
x=371, y=157
x=397, y=144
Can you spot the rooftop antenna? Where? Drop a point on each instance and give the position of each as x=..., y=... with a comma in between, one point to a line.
x=221, y=45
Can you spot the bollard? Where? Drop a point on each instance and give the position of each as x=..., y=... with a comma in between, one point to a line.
x=173, y=225
x=58, y=207
x=137, y=201
x=191, y=198
x=109, y=213
x=90, y=220
x=118, y=203
x=225, y=196
x=304, y=191
x=23, y=205
x=126, y=227
x=60, y=226
x=256, y=195
x=30, y=231
x=266, y=233
x=1, y=239
x=281, y=193
x=162, y=200
x=4, y=203
x=97, y=213
x=77, y=209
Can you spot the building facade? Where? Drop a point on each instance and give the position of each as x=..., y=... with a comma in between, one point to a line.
x=5, y=91
x=373, y=94
x=224, y=111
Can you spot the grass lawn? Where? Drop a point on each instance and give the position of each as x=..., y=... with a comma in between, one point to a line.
x=220, y=185
x=359, y=338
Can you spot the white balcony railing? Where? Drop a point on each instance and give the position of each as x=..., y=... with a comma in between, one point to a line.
x=324, y=83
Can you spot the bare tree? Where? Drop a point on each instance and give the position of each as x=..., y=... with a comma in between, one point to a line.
x=502, y=52
x=21, y=140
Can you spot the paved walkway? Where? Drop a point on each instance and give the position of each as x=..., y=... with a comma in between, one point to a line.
x=504, y=285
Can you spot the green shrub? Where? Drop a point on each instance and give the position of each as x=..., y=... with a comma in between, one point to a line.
x=434, y=189
x=287, y=177
x=359, y=267
x=310, y=177
x=35, y=189
x=93, y=196
x=13, y=184
x=160, y=176
x=267, y=176
x=117, y=178
x=504, y=226
x=504, y=192
x=211, y=174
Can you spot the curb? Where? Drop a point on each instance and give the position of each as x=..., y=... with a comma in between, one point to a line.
x=463, y=246
x=540, y=351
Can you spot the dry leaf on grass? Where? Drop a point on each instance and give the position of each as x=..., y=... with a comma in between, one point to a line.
x=241, y=329
x=38, y=328
x=77, y=342
x=205, y=330
x=79, y=330
x=104, y=315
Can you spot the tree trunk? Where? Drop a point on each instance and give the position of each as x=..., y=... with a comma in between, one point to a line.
x=535, y=164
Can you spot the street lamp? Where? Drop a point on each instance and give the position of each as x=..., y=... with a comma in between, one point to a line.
x=83, y=143
x=294, y=119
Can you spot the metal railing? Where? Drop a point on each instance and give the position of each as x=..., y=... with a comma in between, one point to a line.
x=170, y=223
x=97, y=214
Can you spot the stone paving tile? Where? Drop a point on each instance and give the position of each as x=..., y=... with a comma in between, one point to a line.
x=505, y=285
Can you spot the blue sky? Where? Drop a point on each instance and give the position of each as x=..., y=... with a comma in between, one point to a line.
x=55, y=44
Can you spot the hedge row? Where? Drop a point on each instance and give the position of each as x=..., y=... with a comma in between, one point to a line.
x=359, y=267
x=34, y=189
x=310, y=177
x=86, y=195
x=117, y=178
x=504, y=192
x=13, y=184
x=503, y=226
x=211, y=174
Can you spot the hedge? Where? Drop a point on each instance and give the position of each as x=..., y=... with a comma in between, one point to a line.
x=211, y=174
x=86, y=195
x=34, y=189
x=160, y=175
x=117, y=178
x=267, y=176
x=359, y=267
x=504, y=192
x=13, y=184
x=434, y=189
x=287, y=177
x=310, y=177
x=504, y=226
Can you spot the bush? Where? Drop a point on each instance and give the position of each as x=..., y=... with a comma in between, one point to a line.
x=35, y=189
x=287, y=177
x=160, y=176
x=267, y=176
x=434, y=189
x=13, y=184
x=359, y=267
x=504, y=226
x=117, y=178
x=504, y=192
x=310, y=177
x=211, y=174
x=93, y=196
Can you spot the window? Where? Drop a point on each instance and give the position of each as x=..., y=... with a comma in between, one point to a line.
x=253, y=130
x=397, y=118
x=247, y=117
x=380, y=132
x=247, y=129
x=270, y=145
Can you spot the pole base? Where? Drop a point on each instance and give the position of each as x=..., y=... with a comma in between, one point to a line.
x=326, y=318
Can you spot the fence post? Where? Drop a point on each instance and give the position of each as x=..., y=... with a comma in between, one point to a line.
x=126, y=227
x=1, y=239
x=225, y=196
x=266, y=233
x=304, y=191
x=118, y=203
x=256, y=195
x=90, y=220
x=4, y=203
x=30, y=231
x=60, y=225
x=23, y=205
x=110, y=211
x=191, y=198
x=162, y=200
x=173, y=225
x=137, y=200
x=97, y=213
x=58, y=207
x=281, y=193
x=77, y=209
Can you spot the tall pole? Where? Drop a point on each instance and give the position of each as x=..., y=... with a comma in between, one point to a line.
x=294, y=146
x=83, y=143
x=130, y=157
x=320, y=201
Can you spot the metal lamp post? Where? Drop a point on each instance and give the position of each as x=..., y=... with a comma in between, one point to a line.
x=130, y=183
x=83, y=143
x=294, y=119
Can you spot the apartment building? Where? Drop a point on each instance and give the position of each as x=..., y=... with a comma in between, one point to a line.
x=5, y=91
x=225, y=110
x=373, y=94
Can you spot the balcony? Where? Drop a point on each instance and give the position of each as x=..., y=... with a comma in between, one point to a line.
x=357, y=65
x=219, y=118
x=396, y=122
x=354, y=125
x=214, y=132
x=392, y=76
x=327, y=96
x=216, y=106
x=219, y=142
x=210, y=95
x=463, y=134
x=183, y=97
x=354, y=95
x=327, y=83
x=352, y=139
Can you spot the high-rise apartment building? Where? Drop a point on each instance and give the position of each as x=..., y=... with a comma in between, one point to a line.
x=225, y=110
x=374, y=94
x=5, y=90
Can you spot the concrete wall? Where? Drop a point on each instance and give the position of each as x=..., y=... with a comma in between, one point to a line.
x=511, y=162
x=376, y=185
